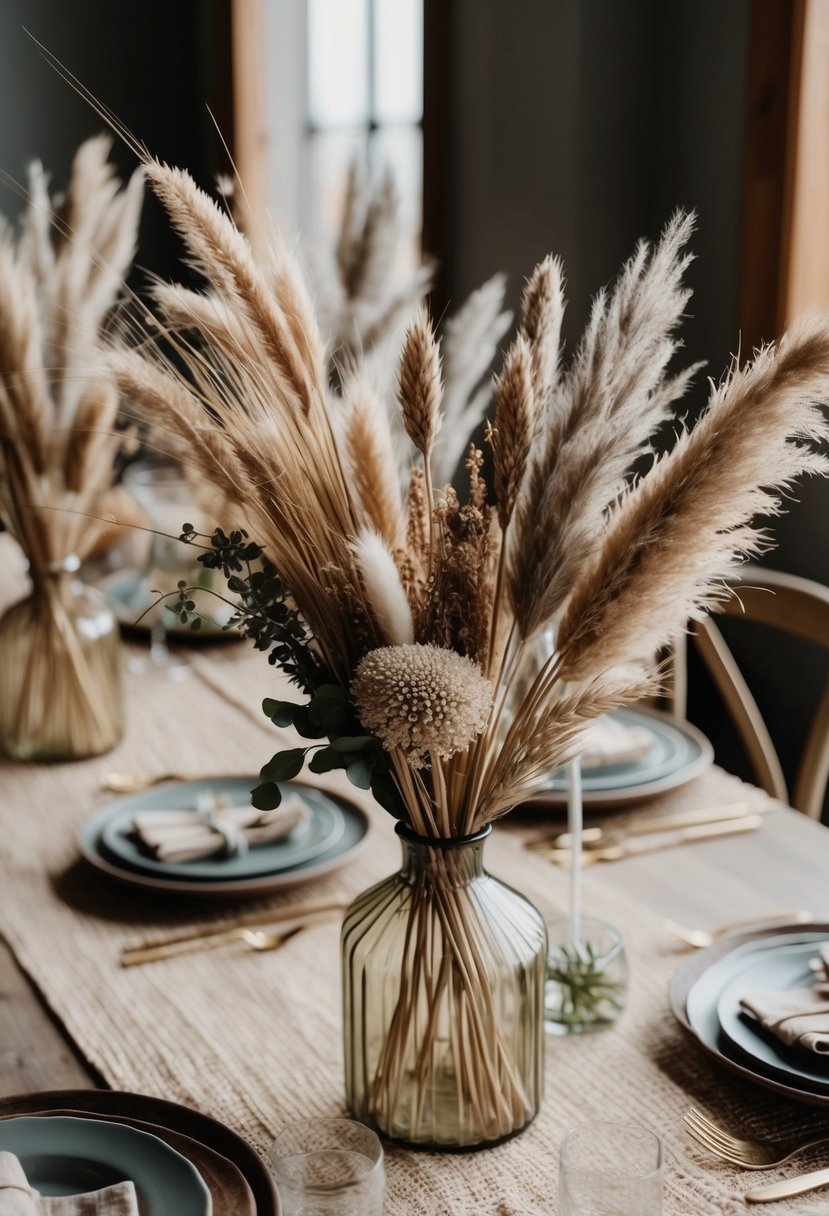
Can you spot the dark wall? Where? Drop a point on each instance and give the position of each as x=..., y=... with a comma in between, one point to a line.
x=157, y=65
x=577, y=126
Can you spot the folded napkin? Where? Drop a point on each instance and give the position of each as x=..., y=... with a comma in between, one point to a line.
x=215, y=828
x=609, y=741
x=17, y=1198
x=799, y=1017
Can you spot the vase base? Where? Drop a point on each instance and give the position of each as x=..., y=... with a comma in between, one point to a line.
x=420, y=1146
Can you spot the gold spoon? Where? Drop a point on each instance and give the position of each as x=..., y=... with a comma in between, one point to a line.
x=259, y=940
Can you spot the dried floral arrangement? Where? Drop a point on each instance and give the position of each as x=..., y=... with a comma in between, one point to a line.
x=58, y=407
x=412, y=611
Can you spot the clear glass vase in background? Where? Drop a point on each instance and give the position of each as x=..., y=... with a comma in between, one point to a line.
x=443, y=982
x=160, y=488
x=60, y=685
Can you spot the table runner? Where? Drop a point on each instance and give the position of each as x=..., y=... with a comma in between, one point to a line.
x=254, y=1039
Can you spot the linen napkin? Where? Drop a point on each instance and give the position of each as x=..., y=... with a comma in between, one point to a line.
x=17, y=1198
x=609, y=741
x=799, y=1017
x=214, y=828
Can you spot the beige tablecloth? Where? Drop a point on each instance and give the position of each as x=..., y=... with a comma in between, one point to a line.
x=254, y=1039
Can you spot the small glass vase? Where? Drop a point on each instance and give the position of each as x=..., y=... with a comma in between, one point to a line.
x=586, y=983
x=60, y=688
x=443, y=984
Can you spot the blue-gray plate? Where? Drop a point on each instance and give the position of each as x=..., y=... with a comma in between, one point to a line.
x=698, y=984
x=262, y=873
x=778, y=969
x=66, y=1156
x=679, y=753
x=321, y=832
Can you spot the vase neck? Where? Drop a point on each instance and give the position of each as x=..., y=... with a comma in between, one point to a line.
x=453, y=862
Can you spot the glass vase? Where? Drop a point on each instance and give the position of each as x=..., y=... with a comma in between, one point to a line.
x=444, y=970
x=60, y=694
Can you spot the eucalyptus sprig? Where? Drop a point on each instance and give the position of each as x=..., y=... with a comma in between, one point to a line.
x=587, y=991
x=264, y=613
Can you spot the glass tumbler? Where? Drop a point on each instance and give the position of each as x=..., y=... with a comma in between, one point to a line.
x=610, y=1169
x=329, y=1167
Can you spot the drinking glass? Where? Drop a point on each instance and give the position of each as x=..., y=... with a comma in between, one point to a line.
x=610, y=1169
x=329, y=1167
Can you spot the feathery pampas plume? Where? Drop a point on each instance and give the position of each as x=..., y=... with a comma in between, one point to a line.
x=675, y=535
x=384, y=590
x=469, y=343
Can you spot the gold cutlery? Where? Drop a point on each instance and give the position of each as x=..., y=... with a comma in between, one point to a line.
x=254, y=939
x=789, y=1187
x=750, y=1154
x=265, y=916
x=635, y=848
x=600, y=837
x=700, y=938
x=134, y=783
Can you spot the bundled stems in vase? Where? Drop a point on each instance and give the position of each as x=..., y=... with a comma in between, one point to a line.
x=59, y=695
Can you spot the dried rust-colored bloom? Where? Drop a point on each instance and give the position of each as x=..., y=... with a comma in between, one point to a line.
x=422, y=699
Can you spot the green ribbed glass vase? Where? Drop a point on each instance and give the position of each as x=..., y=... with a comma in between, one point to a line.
x=443, y=982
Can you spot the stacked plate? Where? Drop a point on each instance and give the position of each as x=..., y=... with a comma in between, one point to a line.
x=181, y=1162
x=705, y=996
x=678, y=752
x=333, y=833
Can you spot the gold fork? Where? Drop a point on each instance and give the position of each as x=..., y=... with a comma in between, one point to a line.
x=700, y=938
x=750, y=1154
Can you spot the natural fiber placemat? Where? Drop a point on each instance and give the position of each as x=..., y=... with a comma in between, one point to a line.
x=254, y=1039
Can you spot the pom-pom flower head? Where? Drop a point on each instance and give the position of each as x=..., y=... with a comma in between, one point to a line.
x=421, y=699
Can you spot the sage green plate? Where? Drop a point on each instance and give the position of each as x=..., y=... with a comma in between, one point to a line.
x=65, y=1156
x=262, y=880
x=679, y=753
x=321, y=832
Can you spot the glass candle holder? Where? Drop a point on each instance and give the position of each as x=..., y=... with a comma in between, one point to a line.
x=329, y=1167
x=610, y=1169
x=587, y=983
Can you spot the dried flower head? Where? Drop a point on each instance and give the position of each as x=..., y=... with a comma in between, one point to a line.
x=421, y=699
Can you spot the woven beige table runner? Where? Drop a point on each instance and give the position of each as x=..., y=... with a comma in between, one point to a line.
x=254, y=1039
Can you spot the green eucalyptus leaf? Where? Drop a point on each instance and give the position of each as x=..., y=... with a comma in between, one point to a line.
x=328, y=707
x=284, y=765
x=359, y=772
x=325, y=760
x=352, y=743
x=305, y=727
x=266, y=797
x=281, y=713
x=387, y=794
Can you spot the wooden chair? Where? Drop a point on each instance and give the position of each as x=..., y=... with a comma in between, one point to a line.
x=800, y=607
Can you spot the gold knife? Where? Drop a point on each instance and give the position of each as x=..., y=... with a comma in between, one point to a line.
x=633, y=848
x=788, y=1187
x=594, y=836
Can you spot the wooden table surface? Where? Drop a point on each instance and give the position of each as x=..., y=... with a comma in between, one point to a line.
x=785, y=866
